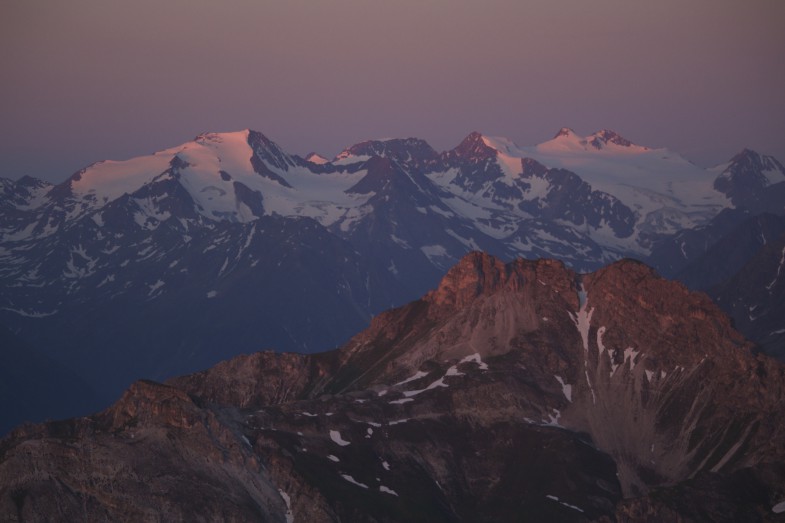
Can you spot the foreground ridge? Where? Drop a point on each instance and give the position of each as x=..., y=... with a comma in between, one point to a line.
x=517, y=389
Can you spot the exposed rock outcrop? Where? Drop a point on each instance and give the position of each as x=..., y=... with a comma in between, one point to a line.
x=512, y=390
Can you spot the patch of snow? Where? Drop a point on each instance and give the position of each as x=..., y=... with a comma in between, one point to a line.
x=347, y=158
x=779, y=269
x=310, y=415
x=288, y=501
x=333, y=458
x=417, y=375
x=582, y=319
x=386, y=490
x=398, y=421
x=336, y=437
x=385, y=465
x=401, y=401
x=591, y=389
x=649, y=374
x=369, y=433
x=30, y=314
x=732, y=451
x=212, y=294
x=108, y=279
x=779, y=508
x=539, y=187
x=600, y=334
x=350, y=479
x=438, y=210
x=453, y=371
x=476, y=359
x=434, y=251
x=632, y=354
x=556, y=499
x=553, y=419
x=468, y=243
x=565, y=388
x=437, y=383
x=400, y=242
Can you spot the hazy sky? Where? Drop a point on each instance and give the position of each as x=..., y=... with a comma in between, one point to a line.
x=85, y=80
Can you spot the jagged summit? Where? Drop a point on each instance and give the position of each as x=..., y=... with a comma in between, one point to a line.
x=605, y=137
x=752, y=180
x=413, y=152
x=566, y=140
x=473, y=148
x=749, y=160
x=564, y=132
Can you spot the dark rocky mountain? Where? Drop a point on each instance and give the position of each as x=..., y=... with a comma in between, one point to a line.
x=723, y=258
x=413, y=154
x=738, y=264
x=190, y=303
x=754, y=181
x=755, y=297
x=674, y=254
x=512, y=391
x=164, y=264
x=605, y=137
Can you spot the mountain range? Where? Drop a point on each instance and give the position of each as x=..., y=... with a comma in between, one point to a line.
x=168, y=263
x=512, y=391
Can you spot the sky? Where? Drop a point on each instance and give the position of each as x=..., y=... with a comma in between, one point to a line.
x=87, y=80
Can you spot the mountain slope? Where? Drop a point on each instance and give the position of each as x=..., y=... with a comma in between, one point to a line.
x=732, y=251
x=511, y=389
x=755, y=297
x=753, y=180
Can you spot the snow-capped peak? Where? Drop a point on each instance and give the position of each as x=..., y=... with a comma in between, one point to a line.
x=388, y=147
x=474, y=147
x=748, y=165
x=605, y=140
x=503, y=145
x=213, y=137
x=604, y=137
x=316, y=158
x=564, y=131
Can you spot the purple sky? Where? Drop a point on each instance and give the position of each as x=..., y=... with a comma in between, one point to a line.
x=86, y=80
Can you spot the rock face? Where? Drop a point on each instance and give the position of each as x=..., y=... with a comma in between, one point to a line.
x=753, y=180
x=519, y=390
x=755, y=297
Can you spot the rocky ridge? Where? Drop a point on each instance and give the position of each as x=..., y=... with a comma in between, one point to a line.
x=518, y=388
